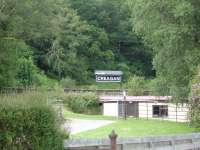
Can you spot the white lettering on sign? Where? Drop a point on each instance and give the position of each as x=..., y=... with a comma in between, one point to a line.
x=108, y=78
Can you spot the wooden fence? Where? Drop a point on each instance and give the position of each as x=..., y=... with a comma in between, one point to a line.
x=9, y=90
x=97, y=91
x=177, y=142
x=112, y=92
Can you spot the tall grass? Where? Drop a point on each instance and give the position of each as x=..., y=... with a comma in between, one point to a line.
x=24, y=100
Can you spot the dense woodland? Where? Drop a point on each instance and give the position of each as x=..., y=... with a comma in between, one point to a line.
x=151, y=41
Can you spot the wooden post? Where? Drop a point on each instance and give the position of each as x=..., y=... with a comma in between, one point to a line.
x=125, y=105
x=176, y=112
x=113, y=140
x=147, y=110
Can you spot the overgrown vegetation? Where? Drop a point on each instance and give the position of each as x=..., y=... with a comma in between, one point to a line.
x=86, y=103
x=27, y=122
x=171, y=29
x=67, y=83
x=195, y=101
x=136, y=85
x=67, y=39
x=155, y=43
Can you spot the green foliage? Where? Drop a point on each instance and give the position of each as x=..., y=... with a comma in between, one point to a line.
x=18, y=69
x=8, y=58
x=41, y=80
x=67, y=83
x=136, y=85
x=26, y=69
x=125, y=69
x=114, y=18
x=195, y=101
x=63, y=42
x=27, y=122
x=158, y=86
x=87, y=103
x=171, y=29
x=108, y=85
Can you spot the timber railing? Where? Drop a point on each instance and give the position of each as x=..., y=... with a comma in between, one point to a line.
x=7, y=90
x=112, y=92
x=97, y=91
x=176, y=142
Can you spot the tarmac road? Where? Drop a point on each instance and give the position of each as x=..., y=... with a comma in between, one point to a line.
x=80, y=125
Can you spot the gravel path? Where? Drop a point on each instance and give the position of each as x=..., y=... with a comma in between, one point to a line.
x=80, y=125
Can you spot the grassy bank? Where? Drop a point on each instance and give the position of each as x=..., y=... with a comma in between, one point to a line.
x=130, y=127
x=68, y=114
x=138, y=127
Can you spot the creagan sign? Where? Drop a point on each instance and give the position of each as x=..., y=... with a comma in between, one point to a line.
x=108, y=76
x=108, y=79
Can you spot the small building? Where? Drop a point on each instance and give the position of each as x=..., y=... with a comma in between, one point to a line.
x=150, y=107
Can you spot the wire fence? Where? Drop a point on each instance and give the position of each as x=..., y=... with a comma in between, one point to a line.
x=164, y=111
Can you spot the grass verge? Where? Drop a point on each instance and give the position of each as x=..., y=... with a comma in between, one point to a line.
x=138, y=127
x=130, y=127
x=68, y=114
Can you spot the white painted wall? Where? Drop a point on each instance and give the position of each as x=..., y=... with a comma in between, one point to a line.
x=181, y=111
x=146, y=110
x=110, y=109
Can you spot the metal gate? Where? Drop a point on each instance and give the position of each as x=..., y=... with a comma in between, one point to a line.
x=132, y=109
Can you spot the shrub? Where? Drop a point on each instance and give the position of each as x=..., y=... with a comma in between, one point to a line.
x=27, y=122
x=42, y=81
x=87, y=103
x=158, y=87
x=67, y=83
x=194, y=101
x=136, y=85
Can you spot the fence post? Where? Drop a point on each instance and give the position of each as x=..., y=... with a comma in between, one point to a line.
x=176, y=112
x=113, y=140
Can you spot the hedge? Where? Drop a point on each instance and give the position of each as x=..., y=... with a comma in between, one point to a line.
x=28, y=123
x=194, y=101
x=87, y=103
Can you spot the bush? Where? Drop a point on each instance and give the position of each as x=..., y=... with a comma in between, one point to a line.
x=67, y=83
x=87, y=103
x=42, y=81
x=194, y=101
x=158, y=87
x=27, y=122
x=136, y=85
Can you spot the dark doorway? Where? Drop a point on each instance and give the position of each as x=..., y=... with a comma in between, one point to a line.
x=160, y=110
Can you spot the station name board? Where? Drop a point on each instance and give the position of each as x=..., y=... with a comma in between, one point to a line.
x=107, y=78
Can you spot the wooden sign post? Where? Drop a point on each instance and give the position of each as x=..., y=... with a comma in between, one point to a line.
x=112, y=76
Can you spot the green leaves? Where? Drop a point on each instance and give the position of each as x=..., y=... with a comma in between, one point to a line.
x=168, y=27
x=110, y=29
x=26, y=122
x=71, y=38
x=87, y=103
x=8, y=64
